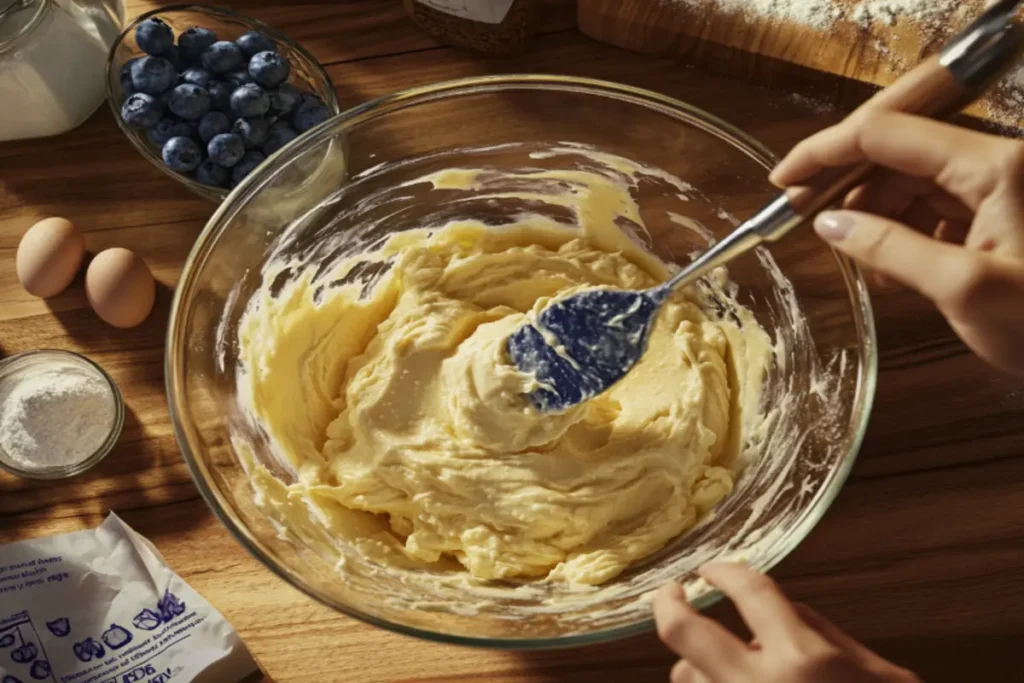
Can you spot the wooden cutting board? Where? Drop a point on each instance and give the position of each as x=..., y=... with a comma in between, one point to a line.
x=868, y=43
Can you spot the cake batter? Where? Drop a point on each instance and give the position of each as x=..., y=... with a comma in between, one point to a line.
x=403, y=422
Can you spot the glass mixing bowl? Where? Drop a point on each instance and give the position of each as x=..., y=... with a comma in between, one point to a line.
x=347, y=185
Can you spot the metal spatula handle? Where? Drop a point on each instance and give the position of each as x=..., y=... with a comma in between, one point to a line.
x=938, y=87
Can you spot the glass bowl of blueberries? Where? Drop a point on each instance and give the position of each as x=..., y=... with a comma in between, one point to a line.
x=207, y=94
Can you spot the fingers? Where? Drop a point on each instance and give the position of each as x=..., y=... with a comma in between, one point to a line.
x=934, y=268
x=966, y=164
x=887, y=193
x=707, y=645
x=684, y=672
x=832, y=634
x=769, y=614
x=868, y=660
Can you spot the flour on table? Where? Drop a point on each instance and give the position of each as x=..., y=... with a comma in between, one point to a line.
x=825, y=14
x=934, y=20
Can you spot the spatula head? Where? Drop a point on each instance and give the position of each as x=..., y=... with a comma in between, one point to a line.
x=581, y=345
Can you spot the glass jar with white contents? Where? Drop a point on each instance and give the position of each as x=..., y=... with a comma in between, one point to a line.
x=53, y=57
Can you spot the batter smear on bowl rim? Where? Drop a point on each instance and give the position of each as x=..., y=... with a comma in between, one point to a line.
x=405, y=428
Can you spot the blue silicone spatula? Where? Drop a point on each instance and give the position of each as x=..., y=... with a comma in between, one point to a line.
x=580, y=345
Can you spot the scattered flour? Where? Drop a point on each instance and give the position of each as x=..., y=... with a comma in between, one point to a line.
x=825, y=14
x=934, y=20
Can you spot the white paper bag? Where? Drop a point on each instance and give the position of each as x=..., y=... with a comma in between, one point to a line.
x=101, y=606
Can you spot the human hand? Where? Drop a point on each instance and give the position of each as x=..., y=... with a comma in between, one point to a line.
x=792, y=643
x=944, y=215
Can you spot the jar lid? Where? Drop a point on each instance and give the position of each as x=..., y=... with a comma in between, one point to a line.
x=18, y=18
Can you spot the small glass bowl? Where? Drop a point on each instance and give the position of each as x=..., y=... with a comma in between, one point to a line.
x=24, y=365
x=306, y=72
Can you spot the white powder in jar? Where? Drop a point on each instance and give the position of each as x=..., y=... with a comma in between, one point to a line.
x=53, y=78
x=56, y=418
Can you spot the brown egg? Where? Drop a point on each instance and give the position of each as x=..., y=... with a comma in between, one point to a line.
x=120, y=287
x=49, y=256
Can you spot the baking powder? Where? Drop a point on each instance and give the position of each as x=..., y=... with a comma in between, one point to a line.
x=56, y=418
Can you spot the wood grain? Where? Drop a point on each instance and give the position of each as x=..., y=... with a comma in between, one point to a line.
x=840, y=61
x=920, y=557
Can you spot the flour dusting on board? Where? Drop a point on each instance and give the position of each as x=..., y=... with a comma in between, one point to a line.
x=825, y=14
x=883, y=25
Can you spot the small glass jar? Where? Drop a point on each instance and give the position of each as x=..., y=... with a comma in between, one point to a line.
x=53, y=56
x=498, y=27
x=17, y=371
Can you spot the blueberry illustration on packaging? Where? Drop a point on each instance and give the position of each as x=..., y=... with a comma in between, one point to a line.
x=40, y=670
x=170, y=606
x=59, y=627
x=7, y=640
x=24, y=654
x=116, y=637
x=147, y=620
x=11, y=679
x=87, y=650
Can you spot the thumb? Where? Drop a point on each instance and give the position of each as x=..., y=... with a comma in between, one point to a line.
x=933, y=268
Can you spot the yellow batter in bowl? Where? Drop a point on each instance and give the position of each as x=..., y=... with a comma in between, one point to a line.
x=395, y=407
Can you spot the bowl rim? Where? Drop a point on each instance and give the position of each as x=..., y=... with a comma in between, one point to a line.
x=864, y=391
x=330, y=96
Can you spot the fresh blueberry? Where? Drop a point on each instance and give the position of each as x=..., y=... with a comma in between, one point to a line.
x=283, y=100
x=280, y=135
x=154, y=36
x=196, y=76
x=253, y=132
x=169, y=127
x=238, y=77
x=251, y=160
x=126, y=77
x=253, y=42
x=220, y=95
x=213, y=124
x=269, y=69
x=182, y=154
x=225, y=149
x=152, y=75
x=211, y=174
x=309, y=113
x=189, y=101
x=250, y=101
x=193, y=41
x=221, y=57
x=141, y=110
x=173, y=55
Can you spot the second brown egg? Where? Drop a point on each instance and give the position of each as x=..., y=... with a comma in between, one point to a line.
x=120, y=287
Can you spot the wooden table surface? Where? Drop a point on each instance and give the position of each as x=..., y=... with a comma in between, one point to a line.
x=921, y=558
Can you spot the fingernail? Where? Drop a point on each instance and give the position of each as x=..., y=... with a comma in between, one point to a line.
x=833, y=226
